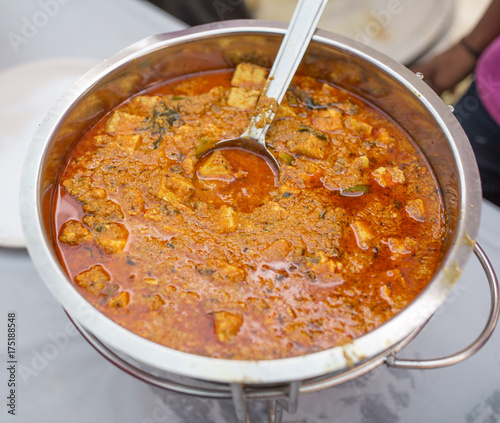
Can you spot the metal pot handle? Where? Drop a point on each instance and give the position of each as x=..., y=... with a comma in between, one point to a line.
x=393, y=361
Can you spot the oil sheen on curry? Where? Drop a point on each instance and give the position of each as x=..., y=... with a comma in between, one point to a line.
x=216, y=255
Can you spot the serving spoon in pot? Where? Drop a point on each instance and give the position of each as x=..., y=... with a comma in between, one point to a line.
x=300, y=31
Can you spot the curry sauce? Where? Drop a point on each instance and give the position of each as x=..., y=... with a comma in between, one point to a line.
x=215, y=254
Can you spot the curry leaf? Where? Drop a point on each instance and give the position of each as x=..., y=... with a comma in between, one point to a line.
x=306, y=99
x=161, y=120
x=305, y=128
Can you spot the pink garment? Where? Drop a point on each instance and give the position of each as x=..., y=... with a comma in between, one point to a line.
x=488, y=79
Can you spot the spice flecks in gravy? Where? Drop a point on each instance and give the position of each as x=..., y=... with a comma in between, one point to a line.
x=159, y=239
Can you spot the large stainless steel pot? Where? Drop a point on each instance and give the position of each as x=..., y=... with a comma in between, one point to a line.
x=359, y=69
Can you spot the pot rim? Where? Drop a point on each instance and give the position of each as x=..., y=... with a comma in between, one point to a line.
x=384, y=338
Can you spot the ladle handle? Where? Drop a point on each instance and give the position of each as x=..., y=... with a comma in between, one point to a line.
x=300, y=31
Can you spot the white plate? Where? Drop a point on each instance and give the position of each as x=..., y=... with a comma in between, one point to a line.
x=402, y=29
x=26, y=94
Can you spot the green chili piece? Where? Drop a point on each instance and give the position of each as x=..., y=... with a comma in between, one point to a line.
x=204, y=145
x=356, y=190
x=286, y=158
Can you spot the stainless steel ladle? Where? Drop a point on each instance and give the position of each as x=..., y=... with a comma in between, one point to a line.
x=300, y=31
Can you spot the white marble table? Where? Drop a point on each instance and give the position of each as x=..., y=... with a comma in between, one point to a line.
x=62, y=379
x=42, y=29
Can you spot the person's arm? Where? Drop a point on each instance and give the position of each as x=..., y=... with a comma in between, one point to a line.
x=487, y=29
x=447, y=69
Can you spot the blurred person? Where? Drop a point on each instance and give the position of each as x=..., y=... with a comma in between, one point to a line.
x=197, y=12
x=478, y=110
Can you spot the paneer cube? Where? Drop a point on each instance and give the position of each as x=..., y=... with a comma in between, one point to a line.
x=339, y=166
x=326, y=275
x=227, y=325
x=120, y=301
x=358, y=126
x=309, y=145
x=227, y=221
x=118, y=145
x=175, y=187
x=402, y=246
x=382, y=176
x=188, y=166
x=384, y=140
x=122, y=123
x=127, y=143
x=167, y=196
x=328, y=120
x=155, y=302
x=277, y=251
x=416, y=209
x=360, y=163
x=182, y=208
x=89, y=220
x=388, y=176
x=363, y=233
x=229, y=273
x=78, y=185
x=249, y=75
x=132, y=201
x=93, y=194
x=93, y=280
x=74, y=233
x=317, y=259
x=152, y=301
x=104, y=209
x=284, y=110
x=216, y=167
x=348, y=177
x=270, y=213
x=145, y=103
x=243, y=98
x=111, y=237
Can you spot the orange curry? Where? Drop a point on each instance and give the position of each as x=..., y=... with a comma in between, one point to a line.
x=217, y=255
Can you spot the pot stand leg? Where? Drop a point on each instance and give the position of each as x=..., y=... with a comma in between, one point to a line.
x=240, y=405
x=289, y=404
